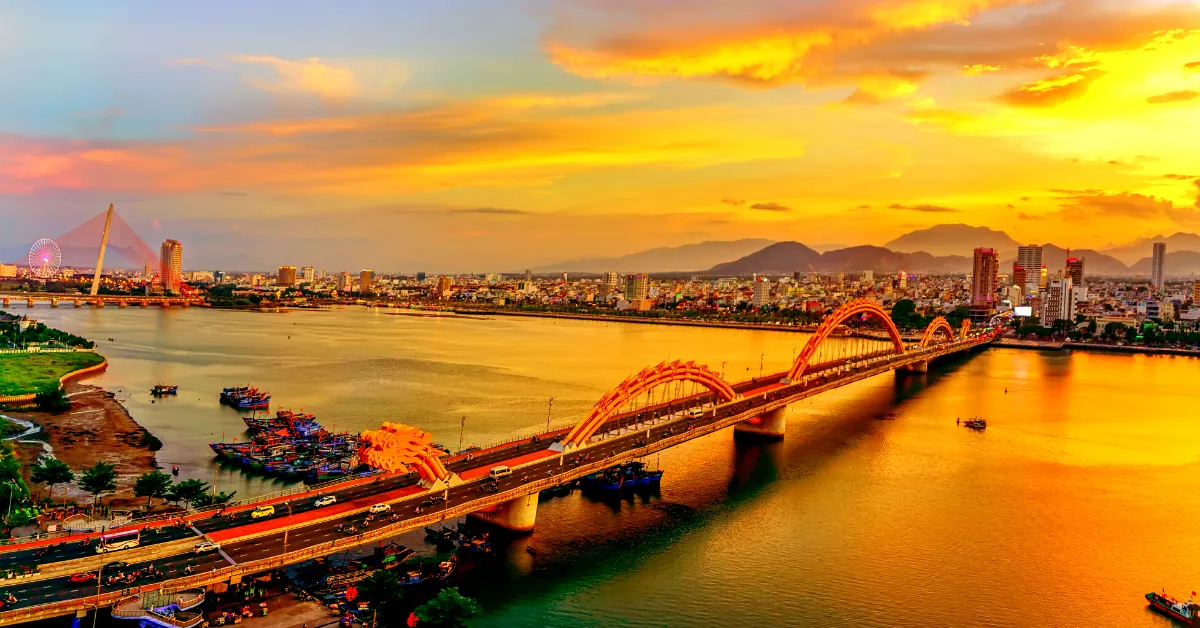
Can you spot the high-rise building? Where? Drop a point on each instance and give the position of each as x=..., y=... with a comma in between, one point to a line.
x=307, y=275
x=148, y=271
x=218, y=276
x=444, y=285
x=286, y=278
x=1158, y=265
x=1058, y=302
x=321, y=274
x=343, y=281
x=762, y=291
x=365, y=279
x=1196, y=292
x=1030, y=258
x=421, y=276
x=610, y=278
x=1019, y=279
x=564, y=276
x=528, y=276
x=903, y=280
x=172, y=265
x=984, y=276
x=637, y=287
x=1075, y=270
x=868, y=275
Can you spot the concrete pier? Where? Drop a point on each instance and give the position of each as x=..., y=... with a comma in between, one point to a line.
x=915, y=367
x=772, y=425
x=517, y=515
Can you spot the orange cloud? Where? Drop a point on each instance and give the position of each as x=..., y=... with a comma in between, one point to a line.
x=1169, y=97
x=1050, y=92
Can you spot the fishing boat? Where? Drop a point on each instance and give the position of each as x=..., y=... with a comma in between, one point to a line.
x=429, y=573
x=160, y=390
x=1187, y=612
x=245, y=398
x=975, y=424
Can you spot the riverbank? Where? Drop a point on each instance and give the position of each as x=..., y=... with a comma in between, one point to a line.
x=1013, y=343
x=682, y=322
x=97, y=427
x=26, y=373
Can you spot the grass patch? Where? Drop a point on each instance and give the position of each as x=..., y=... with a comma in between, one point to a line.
x=8, y=428
x=24, y=373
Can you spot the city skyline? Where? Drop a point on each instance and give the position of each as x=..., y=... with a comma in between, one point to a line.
x=546, y=139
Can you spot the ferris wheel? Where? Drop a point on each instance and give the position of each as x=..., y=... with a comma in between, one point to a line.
x=45, y=258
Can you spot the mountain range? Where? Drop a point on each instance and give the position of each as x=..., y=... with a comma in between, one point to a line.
x=938, y=249
x=687, y=258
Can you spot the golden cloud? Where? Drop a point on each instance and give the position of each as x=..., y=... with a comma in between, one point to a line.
x=1177, y=96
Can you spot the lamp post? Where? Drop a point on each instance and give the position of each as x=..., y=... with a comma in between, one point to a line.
x=461, y=427
x=549, y=409
x=99, y=584
x=760, y=363
x=289, y=525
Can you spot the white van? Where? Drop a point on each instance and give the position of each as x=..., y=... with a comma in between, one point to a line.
x=499, y=472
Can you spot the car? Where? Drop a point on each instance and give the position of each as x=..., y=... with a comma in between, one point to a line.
x=433, y=501
x=325, y=500
x=116, y=565
x=378, y=508
x=205, y=547
x=262, y=511
x=499, y=472
x=81, y=578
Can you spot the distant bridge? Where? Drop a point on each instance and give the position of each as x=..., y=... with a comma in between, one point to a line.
x=97, y=301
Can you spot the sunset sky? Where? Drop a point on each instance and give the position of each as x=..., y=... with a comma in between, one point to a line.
x=485, y=135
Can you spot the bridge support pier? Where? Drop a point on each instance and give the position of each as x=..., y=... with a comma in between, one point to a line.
x=771, y=425
x=54, y=303
x=29, y=302
x=99, y=303
x=121, y=304
x=517, y=515
x=5, y=302
x=915, y=367
x=78, y=303
x=143, y=303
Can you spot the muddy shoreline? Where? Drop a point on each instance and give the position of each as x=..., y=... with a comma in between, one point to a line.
x=97, y=427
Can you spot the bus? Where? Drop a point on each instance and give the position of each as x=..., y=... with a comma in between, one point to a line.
x=119, y=541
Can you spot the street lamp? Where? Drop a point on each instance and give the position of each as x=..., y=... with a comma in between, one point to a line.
x=289, y=525
x=549, y=409
x=760, y=363
x=723, y=363
x=462, y=426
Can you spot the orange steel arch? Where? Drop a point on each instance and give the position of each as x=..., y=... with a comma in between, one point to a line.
x=966, y=327
x=857, y=307
x=938, y=324
x=631, y=388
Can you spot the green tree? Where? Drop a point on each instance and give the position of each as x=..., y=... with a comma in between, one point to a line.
x=1131, y=335
x=192, y=491
x=382, y=589
x=152, y=484
x=903, y=313
x=52, y=399
x=51, y=471
x=449, y=609
x=98, y=478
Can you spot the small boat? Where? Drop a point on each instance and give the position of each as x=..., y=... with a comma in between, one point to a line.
x=1187, y=612
x=975, y=424
x=160, y=390
x=174, y=469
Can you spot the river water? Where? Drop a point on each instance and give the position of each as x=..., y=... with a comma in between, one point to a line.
x=876, y=510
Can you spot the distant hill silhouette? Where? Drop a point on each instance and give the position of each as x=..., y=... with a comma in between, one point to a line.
x=690, y=257
x=955, y=239
x=788, y=257
x=1177, y=263
x=1055, y=258
x=1133, y=252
